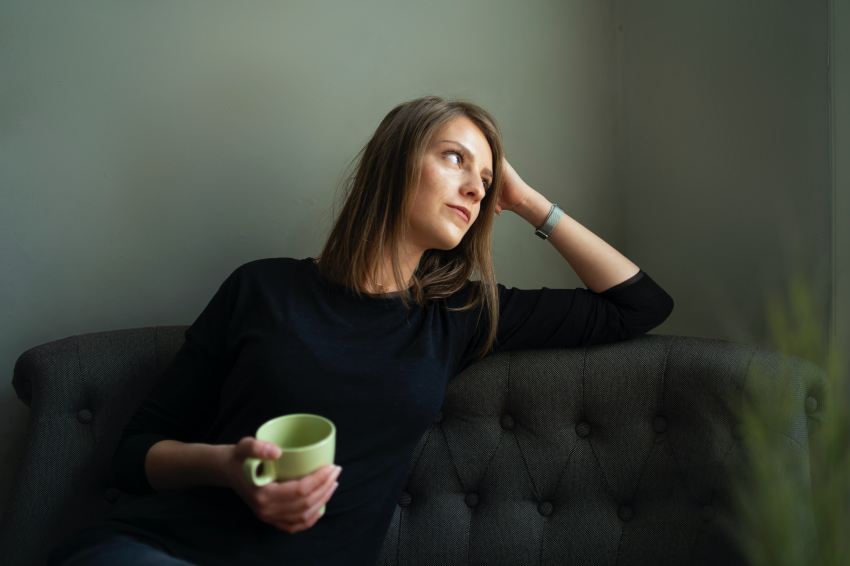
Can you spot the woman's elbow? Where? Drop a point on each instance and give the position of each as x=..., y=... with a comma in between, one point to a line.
x=661, y=312
x=644, y=321
x=667, y=309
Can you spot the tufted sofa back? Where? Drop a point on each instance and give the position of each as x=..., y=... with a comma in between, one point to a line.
x=613, y=454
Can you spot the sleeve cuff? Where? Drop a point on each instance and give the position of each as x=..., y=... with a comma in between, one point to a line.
x=630, y=281
x=128, y=463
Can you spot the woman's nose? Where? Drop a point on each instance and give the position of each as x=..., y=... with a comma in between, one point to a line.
x=474, y=190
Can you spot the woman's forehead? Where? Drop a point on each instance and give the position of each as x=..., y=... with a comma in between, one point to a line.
x=461, y=130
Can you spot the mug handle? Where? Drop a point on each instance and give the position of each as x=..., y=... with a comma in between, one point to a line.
x=249, y=468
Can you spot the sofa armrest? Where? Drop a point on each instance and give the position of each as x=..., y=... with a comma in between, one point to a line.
x=82, y=391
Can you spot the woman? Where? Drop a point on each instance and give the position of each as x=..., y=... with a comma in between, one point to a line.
x=368, y=334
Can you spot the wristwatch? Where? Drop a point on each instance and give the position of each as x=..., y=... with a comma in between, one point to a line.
x=552, y=218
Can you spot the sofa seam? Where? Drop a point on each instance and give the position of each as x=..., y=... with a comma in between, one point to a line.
x=598, y=463
x=680, y=473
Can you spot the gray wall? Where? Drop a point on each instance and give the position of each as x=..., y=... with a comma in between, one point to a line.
x=840, y=75
x=725, y=131
x=146, y=149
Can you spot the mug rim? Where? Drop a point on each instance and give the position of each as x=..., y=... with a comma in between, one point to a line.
x=274, y=420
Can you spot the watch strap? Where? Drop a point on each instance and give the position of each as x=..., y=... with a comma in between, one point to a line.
x=552, y=218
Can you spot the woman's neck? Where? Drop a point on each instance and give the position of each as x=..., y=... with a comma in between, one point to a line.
x=384, y=281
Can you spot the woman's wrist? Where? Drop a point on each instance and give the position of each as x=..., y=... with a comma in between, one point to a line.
x=170, y=464
x=218, y=464
x=534, y=208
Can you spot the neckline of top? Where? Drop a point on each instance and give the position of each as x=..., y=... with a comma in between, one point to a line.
x=313, y=264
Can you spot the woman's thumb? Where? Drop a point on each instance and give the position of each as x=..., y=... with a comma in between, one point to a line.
x=250, y=447
x=266, y=449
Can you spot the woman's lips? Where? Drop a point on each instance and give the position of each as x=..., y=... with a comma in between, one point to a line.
x=461, y=212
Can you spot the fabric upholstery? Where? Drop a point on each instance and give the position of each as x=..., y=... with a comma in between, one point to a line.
x=612, y=454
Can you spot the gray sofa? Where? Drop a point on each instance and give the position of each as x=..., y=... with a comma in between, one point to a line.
x=613, y=454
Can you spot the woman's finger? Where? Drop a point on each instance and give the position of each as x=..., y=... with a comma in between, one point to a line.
x=304, y=521
x=313, y=512
x=321, y=492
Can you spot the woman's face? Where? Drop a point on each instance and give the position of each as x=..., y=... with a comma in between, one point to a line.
x=456, y=170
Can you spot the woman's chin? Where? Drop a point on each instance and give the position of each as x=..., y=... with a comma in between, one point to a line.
x=448, y=240
x=445, y=245
x=451, y=243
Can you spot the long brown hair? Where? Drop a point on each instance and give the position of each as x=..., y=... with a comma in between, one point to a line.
x=374, y=217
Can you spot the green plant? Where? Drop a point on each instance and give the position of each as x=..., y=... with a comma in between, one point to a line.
x=784, y=515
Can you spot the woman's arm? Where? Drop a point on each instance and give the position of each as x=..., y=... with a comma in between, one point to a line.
x=597, y=264
x=170, y=464
x=182, y=405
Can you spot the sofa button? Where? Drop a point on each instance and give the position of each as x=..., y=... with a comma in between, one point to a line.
x=507, y=422
x=438, y=418
x=811, y=405
x=625, y=512
x=707, y=513
x=471, y=499
x=545, y=508
x=112, y=494
x=404, y=499
x=583, y=429
x=84, y=416
x=659, y=424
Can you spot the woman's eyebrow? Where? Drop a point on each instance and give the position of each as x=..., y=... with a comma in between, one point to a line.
x=468, y=153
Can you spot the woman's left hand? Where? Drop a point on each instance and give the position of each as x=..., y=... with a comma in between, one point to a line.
x=515, y=191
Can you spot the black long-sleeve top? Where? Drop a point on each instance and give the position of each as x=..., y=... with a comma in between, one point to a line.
x=278, y=338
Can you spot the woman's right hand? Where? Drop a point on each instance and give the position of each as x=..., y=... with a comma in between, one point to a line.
x=291, y=506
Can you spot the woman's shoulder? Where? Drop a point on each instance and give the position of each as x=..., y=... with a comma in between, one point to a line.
x=273, y=265
x=465, y=295
x=269, y=272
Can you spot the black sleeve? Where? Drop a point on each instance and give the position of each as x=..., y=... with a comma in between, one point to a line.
x=185, y=399
x=542, y=318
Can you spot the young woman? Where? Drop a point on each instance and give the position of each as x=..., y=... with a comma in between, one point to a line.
x=401, y=298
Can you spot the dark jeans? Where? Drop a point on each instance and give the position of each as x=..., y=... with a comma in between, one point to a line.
x=112, y=549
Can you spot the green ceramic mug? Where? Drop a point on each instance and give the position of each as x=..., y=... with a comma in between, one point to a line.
x=307, y=442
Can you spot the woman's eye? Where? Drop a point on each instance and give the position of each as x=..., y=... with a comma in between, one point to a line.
x=460, y=160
